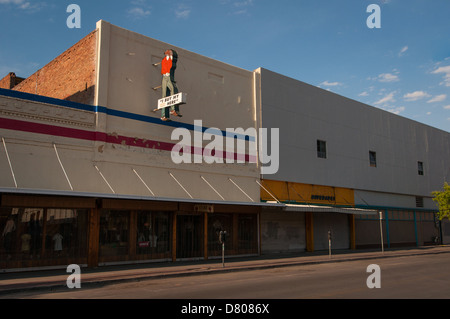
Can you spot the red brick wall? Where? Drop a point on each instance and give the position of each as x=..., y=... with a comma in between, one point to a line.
x=70, y=76
x=5, y=83
x=10, y=81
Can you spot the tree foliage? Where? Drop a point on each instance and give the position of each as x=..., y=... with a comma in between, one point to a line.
x=442, y=198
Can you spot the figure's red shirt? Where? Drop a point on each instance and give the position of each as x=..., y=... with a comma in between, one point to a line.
x=166, y=65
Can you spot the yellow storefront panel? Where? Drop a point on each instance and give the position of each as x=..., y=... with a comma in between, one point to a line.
x=306, y=193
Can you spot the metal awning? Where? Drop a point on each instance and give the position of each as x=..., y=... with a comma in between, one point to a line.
x=134, y=197
x=55, y=169
x=329, y=209
x=274, y=205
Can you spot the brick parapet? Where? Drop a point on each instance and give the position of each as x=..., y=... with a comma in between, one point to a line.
x=70, y=76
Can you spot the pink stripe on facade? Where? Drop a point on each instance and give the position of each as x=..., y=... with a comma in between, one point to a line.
x=39, y=128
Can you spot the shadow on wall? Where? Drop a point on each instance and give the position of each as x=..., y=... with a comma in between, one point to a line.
x=86, y=96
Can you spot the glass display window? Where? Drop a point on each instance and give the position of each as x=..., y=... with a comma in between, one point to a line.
x=42, y=237
x=153, y=233
x=66, y=233
x=114, y=233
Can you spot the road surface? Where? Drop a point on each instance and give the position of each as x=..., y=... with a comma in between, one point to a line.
x=424, y=277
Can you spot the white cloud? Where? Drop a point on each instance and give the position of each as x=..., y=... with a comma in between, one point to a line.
x=447, y=107
x=138, y=13
x=403, y=50
x=182, y=12
x=446, y=71
x=24, y=5
x=388, y=98
x=363, y=94
x=140, y=9
x=326, y=83
x=395, y=110
x=388, y=77
x=438, y=98
x=414, y=96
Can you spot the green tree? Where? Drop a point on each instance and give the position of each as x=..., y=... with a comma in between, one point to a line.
x=442, y=198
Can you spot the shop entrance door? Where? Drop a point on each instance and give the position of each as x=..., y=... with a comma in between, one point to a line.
x=189, y=236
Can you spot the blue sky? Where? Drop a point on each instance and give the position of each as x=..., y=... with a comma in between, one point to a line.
x=402, y=67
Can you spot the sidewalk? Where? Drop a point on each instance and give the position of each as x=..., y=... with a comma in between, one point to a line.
x=51, y=280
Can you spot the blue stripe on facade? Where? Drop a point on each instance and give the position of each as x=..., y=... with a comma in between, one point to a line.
x=48, y=100
x=108, y=111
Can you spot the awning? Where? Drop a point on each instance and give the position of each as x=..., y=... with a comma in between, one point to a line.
x=50, y=168
x=329, y=209
x=274, y=205
x=45, y=192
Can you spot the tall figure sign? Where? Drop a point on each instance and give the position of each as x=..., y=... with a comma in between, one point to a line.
x=171, y=99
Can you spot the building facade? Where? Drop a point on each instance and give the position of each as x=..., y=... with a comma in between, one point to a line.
x=88, y=175
x=339, y=152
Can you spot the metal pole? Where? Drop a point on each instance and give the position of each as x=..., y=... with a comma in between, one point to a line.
x=329, y=244
x=381, y=231
x=223, y=254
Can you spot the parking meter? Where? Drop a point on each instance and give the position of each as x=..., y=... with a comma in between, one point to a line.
x=223, y=237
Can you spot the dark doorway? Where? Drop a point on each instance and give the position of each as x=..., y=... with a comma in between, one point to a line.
x=189, y=236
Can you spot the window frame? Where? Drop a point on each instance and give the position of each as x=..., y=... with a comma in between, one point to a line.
x=373, y=159
x=420, y=170
x=321, y=149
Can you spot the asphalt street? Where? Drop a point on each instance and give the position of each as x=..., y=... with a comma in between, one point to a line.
x=410, y=277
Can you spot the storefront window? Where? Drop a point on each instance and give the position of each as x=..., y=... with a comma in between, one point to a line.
x=114, y=236
x=42, y=237
x=66, y=233
x=21, y=233
x=153, y=234
x=190, y=240
x=248, y=241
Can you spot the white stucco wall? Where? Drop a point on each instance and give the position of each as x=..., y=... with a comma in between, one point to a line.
x=351, y=129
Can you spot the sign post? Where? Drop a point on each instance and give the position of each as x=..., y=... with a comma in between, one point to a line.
x=329, y=243
x=223, y=255
x=222, y=239
x=381, y=231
